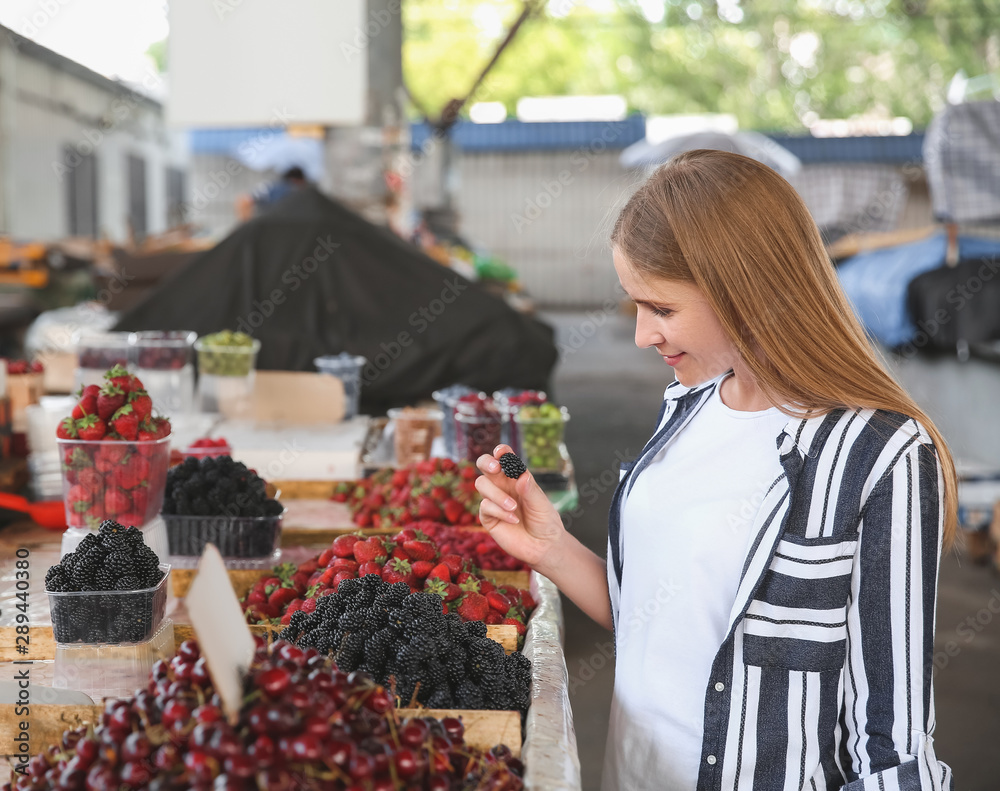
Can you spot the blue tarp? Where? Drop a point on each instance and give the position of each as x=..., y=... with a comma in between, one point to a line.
x=876, y=281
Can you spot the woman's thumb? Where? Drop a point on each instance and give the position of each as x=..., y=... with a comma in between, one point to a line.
x=528, y=490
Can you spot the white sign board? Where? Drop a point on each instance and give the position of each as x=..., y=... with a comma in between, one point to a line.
x=253, y=63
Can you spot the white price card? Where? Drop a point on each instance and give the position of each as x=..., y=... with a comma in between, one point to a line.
x=223, y=635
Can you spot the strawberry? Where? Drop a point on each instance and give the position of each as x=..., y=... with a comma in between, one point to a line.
x=344, y=564
x=309, y=605
x=498, y=601
x=448, y=591
x=420, y=550
x=343, y=546
x=400, y=478
x=516, y=623
x=427, y=508
x=454, y=564
x=421, y=568
x=133, y=473
x=120, y=378
x=440, y=493
x=369, y=550
x=400, y=553
x=91, y=428
x=468, y=472
x=80, y=495
x=109, y=400
x=485, y=586
x=91, y=479
x=141, y=404
x=369, y=568
x=404, y=535
x=398, y=571
x=280, y=597
x=88, y=402
x=67, y=429
x=440, y=572
x=493, y=617
x=473, y=607
x=162, y=427
x=527, y=600
x=146, y=433
x=325, y=557
x=132, y=518
x=116, y=502
x=256, y=596
x=467, y=577
x=125, y=423
x=454, y=511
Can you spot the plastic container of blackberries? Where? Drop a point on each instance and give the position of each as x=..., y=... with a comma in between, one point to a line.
x=164, y=361
x=245, y=542
x=102, y=617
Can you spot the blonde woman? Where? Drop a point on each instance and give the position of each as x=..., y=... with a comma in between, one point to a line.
x=773, y=552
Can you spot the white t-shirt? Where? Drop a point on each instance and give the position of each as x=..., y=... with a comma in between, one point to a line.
x=686, y=526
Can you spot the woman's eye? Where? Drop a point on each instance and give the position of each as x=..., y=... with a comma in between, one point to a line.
x=661, y=312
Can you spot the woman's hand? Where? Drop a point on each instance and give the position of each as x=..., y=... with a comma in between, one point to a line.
x=518, y=514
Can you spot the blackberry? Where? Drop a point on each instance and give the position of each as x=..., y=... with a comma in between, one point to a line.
x=118, y=563
x=512, y=465
x=56, y=579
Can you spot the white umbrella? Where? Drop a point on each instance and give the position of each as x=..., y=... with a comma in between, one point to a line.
x=751, y=144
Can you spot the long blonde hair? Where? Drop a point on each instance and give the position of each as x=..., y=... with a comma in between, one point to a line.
x=740, y=233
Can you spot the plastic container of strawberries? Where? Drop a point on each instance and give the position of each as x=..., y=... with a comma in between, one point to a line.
x=100, y=617
x=113, y=479
x=241, y=540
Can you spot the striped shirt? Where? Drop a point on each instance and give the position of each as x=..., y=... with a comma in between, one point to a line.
x=823, y=681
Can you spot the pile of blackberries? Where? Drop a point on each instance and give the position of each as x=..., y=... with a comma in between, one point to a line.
x=114, y=559
x=405, y=639
x=216, y=486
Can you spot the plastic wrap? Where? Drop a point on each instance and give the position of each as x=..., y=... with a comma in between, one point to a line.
x=549, y=752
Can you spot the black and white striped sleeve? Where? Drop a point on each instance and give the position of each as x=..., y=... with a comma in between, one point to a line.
x=888, y=715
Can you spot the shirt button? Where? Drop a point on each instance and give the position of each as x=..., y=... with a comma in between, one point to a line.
x=711, y=760
x=719, y=686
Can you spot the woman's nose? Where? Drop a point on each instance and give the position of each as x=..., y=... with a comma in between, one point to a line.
x=646, y=332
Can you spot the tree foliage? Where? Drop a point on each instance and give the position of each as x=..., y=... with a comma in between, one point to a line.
x=774, y=64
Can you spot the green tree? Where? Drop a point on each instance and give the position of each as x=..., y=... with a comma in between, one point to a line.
x=774, y=64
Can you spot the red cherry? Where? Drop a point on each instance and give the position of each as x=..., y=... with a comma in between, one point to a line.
x=198, y=765
x=207, y=714
x=135, y=775
x=274, y=681
x=406, y=763
x=137, y=747
x=307, y=747
x=240, y=765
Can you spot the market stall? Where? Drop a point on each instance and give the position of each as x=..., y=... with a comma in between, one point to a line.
x=328, y=531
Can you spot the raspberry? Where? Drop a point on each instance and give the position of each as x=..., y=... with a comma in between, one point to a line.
x=512, y=465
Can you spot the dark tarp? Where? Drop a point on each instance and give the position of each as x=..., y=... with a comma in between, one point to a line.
x=310, y=277
x=950, y=304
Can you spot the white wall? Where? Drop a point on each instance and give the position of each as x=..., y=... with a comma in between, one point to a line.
x=51, y=109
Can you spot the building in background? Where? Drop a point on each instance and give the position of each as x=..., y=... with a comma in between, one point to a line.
x=81, y=154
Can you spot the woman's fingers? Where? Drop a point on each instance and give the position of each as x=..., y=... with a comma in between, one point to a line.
x=491, y=491
x=490, y=508
x=487, y=464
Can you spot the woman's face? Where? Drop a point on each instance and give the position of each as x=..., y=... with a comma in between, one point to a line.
x=676, y=319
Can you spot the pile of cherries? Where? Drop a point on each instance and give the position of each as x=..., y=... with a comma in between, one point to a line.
x=304, y=724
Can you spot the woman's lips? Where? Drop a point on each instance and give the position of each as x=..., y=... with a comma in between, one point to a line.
x=672, y=359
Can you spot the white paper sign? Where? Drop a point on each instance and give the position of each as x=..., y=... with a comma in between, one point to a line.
x=223, y=635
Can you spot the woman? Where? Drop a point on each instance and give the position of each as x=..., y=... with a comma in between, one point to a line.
x=773, y=551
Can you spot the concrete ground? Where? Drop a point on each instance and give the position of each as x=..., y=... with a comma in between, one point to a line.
x=613, y=391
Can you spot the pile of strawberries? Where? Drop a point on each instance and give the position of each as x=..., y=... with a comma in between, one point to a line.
x=123, y=474
x=472, y=543
x=409, y=557
x=436, y=490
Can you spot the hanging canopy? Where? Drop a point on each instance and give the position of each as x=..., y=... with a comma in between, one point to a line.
x=310, y=277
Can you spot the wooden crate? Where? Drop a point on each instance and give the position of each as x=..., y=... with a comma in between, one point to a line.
x=47, y=723
x=43, y=645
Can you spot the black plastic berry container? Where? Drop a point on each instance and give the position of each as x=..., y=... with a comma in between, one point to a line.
x=108, y=617
x=236, y=537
